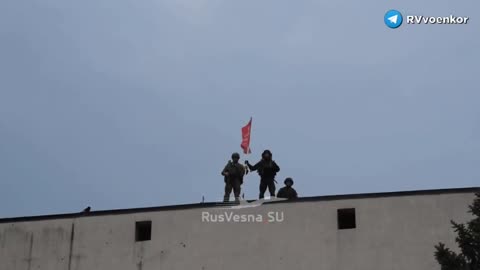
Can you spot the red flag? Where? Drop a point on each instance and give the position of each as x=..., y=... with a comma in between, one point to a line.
x=246, y=137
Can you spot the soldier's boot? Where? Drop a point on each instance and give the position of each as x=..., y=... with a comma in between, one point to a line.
x=237, y=199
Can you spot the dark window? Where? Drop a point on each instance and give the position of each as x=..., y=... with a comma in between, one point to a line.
x=346, y=218
x=143, y=231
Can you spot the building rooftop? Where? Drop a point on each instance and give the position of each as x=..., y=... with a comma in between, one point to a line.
x=218, y=204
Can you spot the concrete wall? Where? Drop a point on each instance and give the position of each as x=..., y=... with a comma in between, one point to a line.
x=393, y=233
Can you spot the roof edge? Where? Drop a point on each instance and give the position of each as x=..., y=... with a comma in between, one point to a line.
x=387, y=194
x=216, y=204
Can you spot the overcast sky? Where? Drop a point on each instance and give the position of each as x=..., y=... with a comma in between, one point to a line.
x=121, y=104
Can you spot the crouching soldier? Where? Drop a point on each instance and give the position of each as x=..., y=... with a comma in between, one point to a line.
x=267, y=169
x=287, y=191
x=233, y=173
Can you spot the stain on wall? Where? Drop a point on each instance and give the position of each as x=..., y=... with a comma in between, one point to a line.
x=30, y=250
x=70, y=250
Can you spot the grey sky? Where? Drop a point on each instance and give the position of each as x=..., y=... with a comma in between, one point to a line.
x=119, y=104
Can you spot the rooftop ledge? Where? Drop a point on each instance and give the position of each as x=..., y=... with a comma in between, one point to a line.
x=219, y=204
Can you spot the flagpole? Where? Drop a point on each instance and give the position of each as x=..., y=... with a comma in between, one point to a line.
x=248, y=150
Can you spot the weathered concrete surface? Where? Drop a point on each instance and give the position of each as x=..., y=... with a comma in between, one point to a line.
x=393, y=233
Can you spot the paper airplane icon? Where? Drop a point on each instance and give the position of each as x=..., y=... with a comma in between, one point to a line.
x=393, y=19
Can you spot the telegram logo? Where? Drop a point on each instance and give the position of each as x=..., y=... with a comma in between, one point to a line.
x=393, y=18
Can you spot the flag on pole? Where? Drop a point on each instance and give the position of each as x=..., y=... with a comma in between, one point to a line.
x=246, y=137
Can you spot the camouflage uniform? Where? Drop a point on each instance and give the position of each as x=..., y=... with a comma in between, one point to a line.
x=267, y=169
x=287, y=191
x=233, y=173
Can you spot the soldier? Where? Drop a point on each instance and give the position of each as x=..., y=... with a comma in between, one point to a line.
x=233, y=173
x=287, y=191
x=267, y=169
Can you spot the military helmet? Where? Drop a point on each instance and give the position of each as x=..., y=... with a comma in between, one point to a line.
x=235, y=156
x=266, y=152
x=288, y=181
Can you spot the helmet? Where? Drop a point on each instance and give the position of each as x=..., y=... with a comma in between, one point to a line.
x=288, y=181
x=235, y=156
x=266, y=152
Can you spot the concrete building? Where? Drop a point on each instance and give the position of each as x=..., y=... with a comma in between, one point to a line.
x=384, y=231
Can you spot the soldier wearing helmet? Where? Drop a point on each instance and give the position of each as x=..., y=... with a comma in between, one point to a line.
x=287, y=191
x=267, y=169
x=233, y=176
